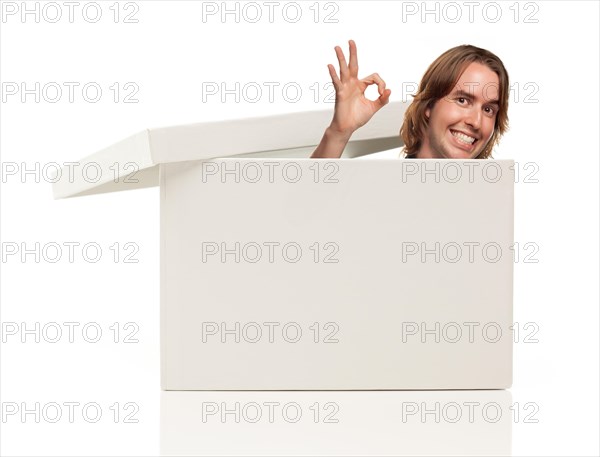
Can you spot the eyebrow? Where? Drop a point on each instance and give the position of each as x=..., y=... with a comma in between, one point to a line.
x=462, y=93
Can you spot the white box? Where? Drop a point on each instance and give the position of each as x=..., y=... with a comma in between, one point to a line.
x=292, y=274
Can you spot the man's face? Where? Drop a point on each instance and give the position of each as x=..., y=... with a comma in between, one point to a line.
x=462, y=123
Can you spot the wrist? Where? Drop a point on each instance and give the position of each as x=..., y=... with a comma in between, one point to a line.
x=334, y=134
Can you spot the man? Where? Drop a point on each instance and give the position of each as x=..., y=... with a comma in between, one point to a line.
x=459, y=111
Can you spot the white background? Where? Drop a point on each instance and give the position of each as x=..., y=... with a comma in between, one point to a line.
x=168, y=54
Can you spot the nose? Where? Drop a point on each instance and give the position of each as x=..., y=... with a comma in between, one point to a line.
x=473, y=118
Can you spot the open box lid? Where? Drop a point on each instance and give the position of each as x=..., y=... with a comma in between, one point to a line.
x=132, y=163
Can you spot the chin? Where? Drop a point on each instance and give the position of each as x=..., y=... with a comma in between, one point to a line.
x=460, y=155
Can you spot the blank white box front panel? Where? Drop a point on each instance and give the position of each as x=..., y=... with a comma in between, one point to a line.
x=303, y=274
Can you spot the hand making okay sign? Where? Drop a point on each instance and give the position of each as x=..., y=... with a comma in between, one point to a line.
x=352, y=108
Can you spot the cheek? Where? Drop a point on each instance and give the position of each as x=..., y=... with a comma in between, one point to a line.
x=450, y=115
x=488, y=128
x=443, y=115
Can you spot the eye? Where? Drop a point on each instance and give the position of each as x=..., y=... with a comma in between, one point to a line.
x=461, y=100
x=490, y=110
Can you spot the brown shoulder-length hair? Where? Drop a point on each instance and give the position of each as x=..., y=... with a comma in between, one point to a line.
x=439, y=80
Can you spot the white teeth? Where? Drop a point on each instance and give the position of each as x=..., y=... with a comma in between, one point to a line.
x=462, y=137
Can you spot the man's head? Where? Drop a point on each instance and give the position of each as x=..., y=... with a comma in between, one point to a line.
x=460, y=109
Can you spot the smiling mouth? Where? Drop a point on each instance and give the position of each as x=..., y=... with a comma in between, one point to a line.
x=463, y=138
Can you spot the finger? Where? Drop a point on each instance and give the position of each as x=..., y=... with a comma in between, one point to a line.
x=334, y=77
x=382, y=100
x=375, y=79
x=353, y=63
x=342, y=61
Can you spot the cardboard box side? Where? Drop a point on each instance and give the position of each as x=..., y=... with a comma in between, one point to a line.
x=163, y=282
x=511, y=189
x=199, y=291
x=262, y=134
x=353, y=149
x=116, y=167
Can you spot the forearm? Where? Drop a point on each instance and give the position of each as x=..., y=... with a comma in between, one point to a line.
x=331, y=146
